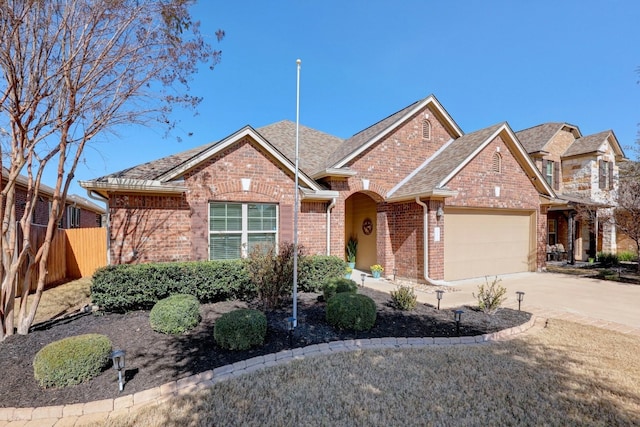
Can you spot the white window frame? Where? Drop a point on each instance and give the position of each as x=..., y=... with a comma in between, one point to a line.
x=548, y=174
x=244, y=232
x=73, y=217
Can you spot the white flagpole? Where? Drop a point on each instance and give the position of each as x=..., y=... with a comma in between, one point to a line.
x=296, y=202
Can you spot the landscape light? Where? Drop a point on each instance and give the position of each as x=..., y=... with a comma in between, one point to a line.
x=362, y=276
x=520, y=298
x=395, y=272
x=458, y=317
x=291, y=324
x=117, y=357
x=439, y=294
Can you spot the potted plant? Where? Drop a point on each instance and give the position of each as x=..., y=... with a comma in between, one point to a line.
x=376, y=271
x=351, y=249
x=348, y=271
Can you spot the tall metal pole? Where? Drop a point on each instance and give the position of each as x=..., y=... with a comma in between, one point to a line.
x=296, y=202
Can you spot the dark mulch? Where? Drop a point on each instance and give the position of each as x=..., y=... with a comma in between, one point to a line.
x=153, y=359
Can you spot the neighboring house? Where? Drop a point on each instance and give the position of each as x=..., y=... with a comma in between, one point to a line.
x=584, y=172
x=422, y=198
x=78, y=213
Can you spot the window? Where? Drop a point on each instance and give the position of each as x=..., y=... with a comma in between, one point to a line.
x=605, y=179
x=551, y=172
x=73, y=217
x=497, y=163
x=235, y=229
x=426, y=129
x=551, y=232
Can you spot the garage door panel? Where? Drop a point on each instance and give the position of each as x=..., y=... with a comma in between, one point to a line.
x=484, y=243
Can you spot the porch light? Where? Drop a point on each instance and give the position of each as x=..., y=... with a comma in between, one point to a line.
x=117, y=357
x=362, y=276
x=520, y=298
x=439, y=294
x=439, y=212
x=458, y=317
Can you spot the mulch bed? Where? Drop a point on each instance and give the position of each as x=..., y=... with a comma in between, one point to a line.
x=153, y=358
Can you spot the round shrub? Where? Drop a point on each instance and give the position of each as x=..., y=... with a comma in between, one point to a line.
x=240, y=329
x=351, y=311
x=71, y=360
x=176, y=314
x=337, y=286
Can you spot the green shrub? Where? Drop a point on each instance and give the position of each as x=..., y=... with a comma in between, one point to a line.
x=404, y=298
x=129, y=287
x=240, y=329
x=607, y=260
x=627, y=256
x=338, y=286
x=351, y=311
x=491, y=296
x=176, y=314
x=316, y=270
x=71, y=360
x=271, y=272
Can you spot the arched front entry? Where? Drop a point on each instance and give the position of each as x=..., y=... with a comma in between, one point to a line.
x=360, y=222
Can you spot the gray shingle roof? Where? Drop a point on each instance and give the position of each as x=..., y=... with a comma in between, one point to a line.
x=356, y=141
x=587, y=144
x=535, y=138
x=154, y=169
x=314, y=146
x=445, y=163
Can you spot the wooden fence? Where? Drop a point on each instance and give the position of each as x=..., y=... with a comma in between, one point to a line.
x=74, y=253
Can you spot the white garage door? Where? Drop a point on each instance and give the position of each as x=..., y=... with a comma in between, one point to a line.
x=487, y=243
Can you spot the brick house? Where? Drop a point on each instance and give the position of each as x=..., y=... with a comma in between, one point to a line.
x=584, y=173
x=421, y=197
x=78, y=213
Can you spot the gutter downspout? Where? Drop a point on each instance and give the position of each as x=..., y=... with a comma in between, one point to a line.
x=425, y=210
x=331, y=206
x=99, y=198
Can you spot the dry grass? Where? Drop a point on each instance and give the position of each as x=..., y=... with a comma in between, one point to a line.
x=567, y=374
x=62, y=299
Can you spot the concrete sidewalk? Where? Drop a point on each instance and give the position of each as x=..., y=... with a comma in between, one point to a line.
x=545, y=294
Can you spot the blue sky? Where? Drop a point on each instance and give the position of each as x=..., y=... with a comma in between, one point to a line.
x=487, y=62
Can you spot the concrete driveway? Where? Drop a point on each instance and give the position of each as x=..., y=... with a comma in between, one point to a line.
x=549, y=295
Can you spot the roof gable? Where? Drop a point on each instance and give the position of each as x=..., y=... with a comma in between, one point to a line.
x=434, y=174
x=591, y=144
x=536, y=138
x=358, y=143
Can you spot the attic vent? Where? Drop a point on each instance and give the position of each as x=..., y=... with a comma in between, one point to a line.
x=497, y=163
x=426, y=129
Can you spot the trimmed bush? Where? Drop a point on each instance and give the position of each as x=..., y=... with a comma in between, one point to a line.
x=240, y=329
x=404, y=298
x=351, y=311
x=271, y=272
x=71, y=360
x=121, y=288
x=607, y=260
x=338, y=286
x=315, y=270
x=176, y=314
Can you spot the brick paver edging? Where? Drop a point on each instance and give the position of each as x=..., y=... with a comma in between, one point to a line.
x=125, y=404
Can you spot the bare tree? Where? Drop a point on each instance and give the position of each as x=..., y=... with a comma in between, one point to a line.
x=627, y=214
x=71, y=70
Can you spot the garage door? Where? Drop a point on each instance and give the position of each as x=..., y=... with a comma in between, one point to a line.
x=487, y=243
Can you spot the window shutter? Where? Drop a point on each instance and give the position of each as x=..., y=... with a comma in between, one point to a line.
x=286, y=224
x=544, y=167
x=556, y=176
x=610, y=175
x=601, y=175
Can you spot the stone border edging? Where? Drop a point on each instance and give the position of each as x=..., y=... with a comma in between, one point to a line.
x=132, y=402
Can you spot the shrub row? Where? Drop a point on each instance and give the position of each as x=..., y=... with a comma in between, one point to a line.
x=131, y=287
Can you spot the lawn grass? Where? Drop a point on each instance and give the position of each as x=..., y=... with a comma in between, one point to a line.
x=62, y=299
x=565, y=374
